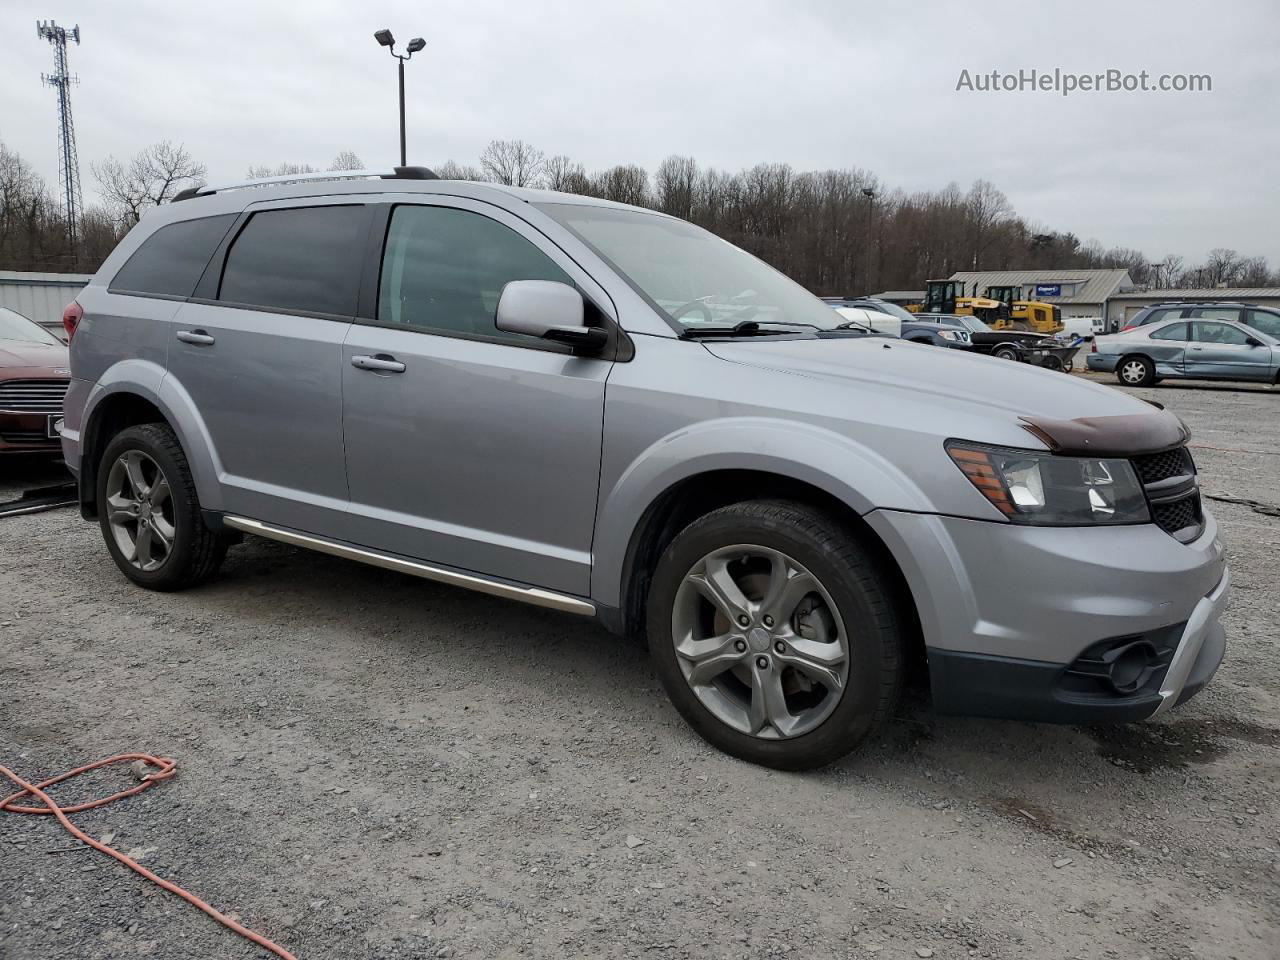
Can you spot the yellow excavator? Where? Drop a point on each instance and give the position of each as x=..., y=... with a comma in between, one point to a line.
x=1000, y=308
x=1027, y=314
x=948, y=296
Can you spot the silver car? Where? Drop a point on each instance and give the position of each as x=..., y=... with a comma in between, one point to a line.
x=1188, y=349
x=607, y=411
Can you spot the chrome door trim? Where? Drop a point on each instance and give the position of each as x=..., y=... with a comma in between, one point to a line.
x=468, y=581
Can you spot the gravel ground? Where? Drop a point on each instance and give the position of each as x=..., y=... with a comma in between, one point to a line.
x=375, y=766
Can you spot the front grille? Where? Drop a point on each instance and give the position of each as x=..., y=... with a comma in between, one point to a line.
x=1161, y=466
x=1169, y=481
x=1178, y=514
x=33, y=396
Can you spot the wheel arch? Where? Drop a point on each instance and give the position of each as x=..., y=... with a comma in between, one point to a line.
x=125, y=403
x=694, y=496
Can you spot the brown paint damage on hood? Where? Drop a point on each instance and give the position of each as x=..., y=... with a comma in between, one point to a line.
x=1119, y=436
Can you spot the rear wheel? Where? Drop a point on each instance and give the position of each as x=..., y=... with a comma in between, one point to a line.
x=774, y=635
x=1136, y=372
x=149, y=513
x=1005, y=353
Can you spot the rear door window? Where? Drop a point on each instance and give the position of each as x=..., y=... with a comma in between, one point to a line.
x=171, y=260
x=299, y=260
x=1157, y=316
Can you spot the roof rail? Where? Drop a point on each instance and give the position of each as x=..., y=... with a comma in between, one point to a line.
x=395, y=173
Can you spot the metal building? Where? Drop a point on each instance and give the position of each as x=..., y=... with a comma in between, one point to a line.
x=41, y=296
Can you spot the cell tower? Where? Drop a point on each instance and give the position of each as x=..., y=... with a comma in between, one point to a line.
x=69, y=174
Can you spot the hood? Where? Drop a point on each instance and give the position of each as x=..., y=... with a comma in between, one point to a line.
x=28, y=353
x=951, y=376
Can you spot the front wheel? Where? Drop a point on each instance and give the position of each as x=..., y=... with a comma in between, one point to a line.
x=774, y=634
x=149, y=513
x=1005, y=353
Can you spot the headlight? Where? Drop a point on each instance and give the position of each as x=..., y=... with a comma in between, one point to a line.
x=1033, y=486
x=957, y=335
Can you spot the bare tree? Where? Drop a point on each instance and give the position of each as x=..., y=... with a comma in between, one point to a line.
x=150, y=178
x=262, y=171
x=625, y=183
x=456, y=171
x=985, y=206
x=561, y=173
x=675, y=183
x=1254, y=272
x=1222, y=267
x=347, y=160
x=512, y=162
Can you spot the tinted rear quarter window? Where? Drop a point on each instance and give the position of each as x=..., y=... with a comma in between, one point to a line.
x=303, y=260
x=171, y=260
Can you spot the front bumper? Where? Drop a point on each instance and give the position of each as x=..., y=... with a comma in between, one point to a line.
x=28, y=433
x=1101, y=362
x=1017, y=618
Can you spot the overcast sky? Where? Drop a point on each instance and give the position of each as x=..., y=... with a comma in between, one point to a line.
x=817, y=84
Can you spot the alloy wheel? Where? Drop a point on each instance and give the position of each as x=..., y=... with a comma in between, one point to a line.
x=140, y=510
x=760, y=641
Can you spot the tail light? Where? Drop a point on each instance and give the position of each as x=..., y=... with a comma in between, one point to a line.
x=1093, y=345
x=71, y=318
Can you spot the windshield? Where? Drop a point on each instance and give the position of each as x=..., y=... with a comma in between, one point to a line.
x=973, y=323
x=892, y=309
x=695, y=278
x=14, y=326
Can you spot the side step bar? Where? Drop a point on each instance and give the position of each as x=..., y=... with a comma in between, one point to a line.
x=468, y=581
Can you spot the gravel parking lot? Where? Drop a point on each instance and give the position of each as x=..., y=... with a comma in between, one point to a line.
x=376, y=766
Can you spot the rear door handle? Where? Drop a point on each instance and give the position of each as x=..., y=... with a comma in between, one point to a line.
x=197, y=338
x=383, y=363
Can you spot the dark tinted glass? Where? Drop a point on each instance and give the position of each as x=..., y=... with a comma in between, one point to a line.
x=444, y=270
x=1266, y=321
x=1215, y=313
x=170, y=261
x=1167, y=313
x=1174, y=331
x=305, y=259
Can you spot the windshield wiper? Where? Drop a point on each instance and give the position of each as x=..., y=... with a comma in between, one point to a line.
x=744, y=328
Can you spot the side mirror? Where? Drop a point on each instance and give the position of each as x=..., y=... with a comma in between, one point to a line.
x=1254, y=342
x=550, y=310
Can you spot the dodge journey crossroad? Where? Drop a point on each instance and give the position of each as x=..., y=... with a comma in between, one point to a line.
x=610, y=412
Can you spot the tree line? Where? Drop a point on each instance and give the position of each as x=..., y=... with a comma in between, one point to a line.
x=838, y=232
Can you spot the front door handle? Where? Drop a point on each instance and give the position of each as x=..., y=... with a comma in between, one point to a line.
x=197, y=338
x=382, y=363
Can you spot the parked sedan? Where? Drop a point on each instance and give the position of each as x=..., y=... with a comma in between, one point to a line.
x=34, y=375
x=1188, y=349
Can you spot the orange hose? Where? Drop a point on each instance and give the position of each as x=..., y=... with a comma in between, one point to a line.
x=166, y=769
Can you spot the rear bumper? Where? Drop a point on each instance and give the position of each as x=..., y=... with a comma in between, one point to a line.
x=1102, y=362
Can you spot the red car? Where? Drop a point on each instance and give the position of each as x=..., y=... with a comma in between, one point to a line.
x=34, y=375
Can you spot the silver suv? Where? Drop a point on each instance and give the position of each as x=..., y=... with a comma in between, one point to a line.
x=607, y=411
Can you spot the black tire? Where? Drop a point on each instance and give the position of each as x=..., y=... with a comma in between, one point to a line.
x=1126, y=366
x=1053, y=363
x=1005, y=353
x=196, y=551
x=848, y=572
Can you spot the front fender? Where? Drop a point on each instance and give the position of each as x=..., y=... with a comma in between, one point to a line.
x=150, y=381
x=836, y=464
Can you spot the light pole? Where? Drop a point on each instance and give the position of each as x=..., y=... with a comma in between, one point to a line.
x=870, y=194
x=385, y=39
